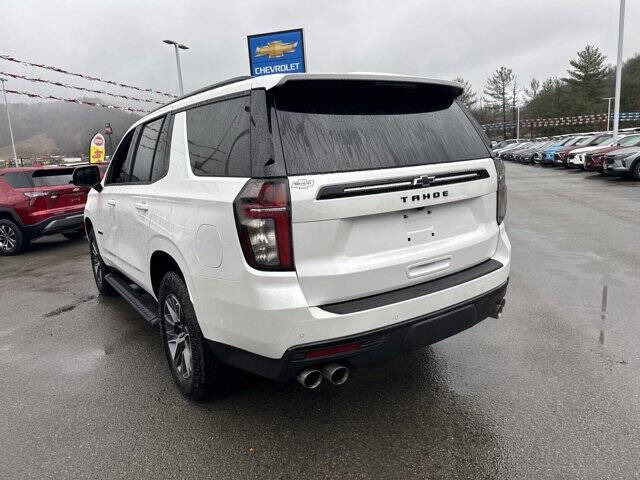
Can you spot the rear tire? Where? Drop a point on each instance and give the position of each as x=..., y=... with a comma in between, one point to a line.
x=100, y=270
x=11, y=241
x=195, y=370
x=77, y=235
x=635, y=171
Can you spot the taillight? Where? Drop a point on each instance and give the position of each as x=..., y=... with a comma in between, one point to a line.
x=263, y=218
x=33, y=197
x=501, y=211
x=36, y=194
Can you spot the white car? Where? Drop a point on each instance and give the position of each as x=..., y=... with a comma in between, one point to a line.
x=299, y=225
x=576, y=157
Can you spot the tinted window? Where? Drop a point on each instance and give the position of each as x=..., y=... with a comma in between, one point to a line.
x=329, y=126
x=121, y=163
x=161, y=159
x=145, y=151
x=218, y=136
x=17, y=180
x=52, y=177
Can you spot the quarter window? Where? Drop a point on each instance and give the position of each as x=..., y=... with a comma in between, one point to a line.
x=218, y=137
x=161, y=159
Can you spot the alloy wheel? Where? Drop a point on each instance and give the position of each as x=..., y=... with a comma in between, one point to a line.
x=96, y=263
x=8, y=238
x=178, y=339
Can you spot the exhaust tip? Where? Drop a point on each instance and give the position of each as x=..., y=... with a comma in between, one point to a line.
x=309, y=378
x=499, y=308
x=337, y=374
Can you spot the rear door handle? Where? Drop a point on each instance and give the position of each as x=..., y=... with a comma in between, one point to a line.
x=111, y=202
x=142, y=206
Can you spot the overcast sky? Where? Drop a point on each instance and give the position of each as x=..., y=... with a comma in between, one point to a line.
x=122, y=40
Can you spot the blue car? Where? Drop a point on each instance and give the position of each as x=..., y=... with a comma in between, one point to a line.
x=546, y=157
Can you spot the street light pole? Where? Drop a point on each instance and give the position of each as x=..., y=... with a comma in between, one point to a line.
x=616, y=108
x=6, y=105
x=518, y=127
x=608, y=110
x=178, y=47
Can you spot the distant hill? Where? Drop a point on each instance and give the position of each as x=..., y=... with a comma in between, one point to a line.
x=57, y=127
x=36, y=145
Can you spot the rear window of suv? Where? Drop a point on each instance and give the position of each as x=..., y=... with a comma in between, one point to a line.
x=17, y=179
x=52, y=177
x=338, y=126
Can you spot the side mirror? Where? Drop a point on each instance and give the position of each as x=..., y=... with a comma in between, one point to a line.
x=88, y=176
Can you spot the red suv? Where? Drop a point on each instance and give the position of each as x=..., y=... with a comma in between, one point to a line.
x=38, y=201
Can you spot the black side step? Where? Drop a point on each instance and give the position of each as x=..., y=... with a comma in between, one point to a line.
x=144, y=303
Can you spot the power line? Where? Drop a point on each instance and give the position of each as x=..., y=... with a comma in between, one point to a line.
x=77, y=87
x=9, y=58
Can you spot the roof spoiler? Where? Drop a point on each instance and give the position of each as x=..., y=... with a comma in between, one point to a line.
x=454, y=88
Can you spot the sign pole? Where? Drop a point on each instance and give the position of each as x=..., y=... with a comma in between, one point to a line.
x=6, y=105
x=616, y=108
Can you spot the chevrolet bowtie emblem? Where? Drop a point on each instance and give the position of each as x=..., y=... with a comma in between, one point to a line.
x=423, y=181
x=276, y=49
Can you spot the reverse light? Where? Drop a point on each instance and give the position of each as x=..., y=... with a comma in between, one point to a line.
x=263, y=218
x=501, y=210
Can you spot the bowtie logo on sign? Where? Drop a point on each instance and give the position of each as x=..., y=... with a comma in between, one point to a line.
x=276, y=49
x=276, y=52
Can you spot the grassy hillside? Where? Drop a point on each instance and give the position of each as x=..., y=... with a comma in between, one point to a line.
x=57, y=127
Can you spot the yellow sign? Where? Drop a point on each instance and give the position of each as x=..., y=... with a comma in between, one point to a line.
x=97, y=150
x=276, y=49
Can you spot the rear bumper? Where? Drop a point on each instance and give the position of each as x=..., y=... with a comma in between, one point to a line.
x=55, y=224
x=270, y=316
x=373, y=345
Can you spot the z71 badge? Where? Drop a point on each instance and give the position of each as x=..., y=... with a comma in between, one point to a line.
x=302, y=183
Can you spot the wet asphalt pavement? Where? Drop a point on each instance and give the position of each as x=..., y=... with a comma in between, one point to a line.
x=551, y=390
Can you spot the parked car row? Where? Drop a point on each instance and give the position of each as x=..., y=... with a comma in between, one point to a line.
x=592, y=152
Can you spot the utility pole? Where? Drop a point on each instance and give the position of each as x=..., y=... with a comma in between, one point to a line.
x=6, y=104
x=178, y=47
x=608, y=110
x=518, y=126
x=616, y=113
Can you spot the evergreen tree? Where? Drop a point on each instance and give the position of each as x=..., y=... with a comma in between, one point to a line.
x=498, y=89
x=587, y=80
x=468, y=97
x=630, y=87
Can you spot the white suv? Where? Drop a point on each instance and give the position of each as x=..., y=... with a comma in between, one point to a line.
x=299, y=225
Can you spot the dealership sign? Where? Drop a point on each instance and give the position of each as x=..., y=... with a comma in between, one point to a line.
x=276, y=52
x=96, y=150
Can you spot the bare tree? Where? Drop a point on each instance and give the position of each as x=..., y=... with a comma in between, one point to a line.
x=498, y=89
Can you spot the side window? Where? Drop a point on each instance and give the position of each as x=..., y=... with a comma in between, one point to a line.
x=161, y=158
x=121, y=162
x=218, y=137
x=144, y=153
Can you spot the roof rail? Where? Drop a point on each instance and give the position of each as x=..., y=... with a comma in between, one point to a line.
x=205, y=89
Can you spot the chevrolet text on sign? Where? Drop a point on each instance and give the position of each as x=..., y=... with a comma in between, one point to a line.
x=276, y=52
